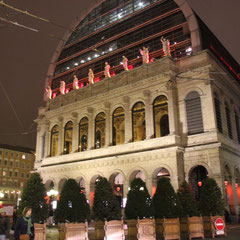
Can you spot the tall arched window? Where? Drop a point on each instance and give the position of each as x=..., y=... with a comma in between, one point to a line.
x=160, y=116
x=83, y=134
x=218, y=112
x=138, y=122
x=194, y=113
x=237, y=122
x=228, y=118
x=118, y=135
x=68, y=132
x=54, y=141
x=100, y=127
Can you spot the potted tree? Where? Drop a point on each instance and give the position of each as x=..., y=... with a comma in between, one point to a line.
x=139, y=205
x=191, y=221
x=106, y=208
x=73, y=211
x=33, y=196
x=211, y=205
x=167, y=210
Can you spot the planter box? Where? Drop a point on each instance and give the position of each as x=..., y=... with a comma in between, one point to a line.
x=184, y=227
x=99, y=230
x=146, y=229
x=132, y=229
x=61, y=231
x=76, y=231
x=159, y=228
x=40, y=231
x=195, y=227
x=114, y=230
x=171, y=228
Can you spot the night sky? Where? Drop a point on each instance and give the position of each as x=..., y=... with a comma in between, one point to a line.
x=25, y=55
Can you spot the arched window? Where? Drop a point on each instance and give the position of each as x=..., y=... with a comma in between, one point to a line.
x=160, y=116
x=218, y=113
x=83, y=134
x=118, y=135
x=228, y=118
x=237, y=122
x=138, y=122
x=100, y=126
x=194, y=113
x=54, y=141
x=68, y=132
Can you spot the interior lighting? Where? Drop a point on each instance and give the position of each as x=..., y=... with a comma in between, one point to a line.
x=189, y=49
x=199, y=183
x=140, y=4
x=119, y=15
x=110, y=49
x=103, y=53
x=95, y=55
x=82, y=61
x=75, y=64
x=89, y=58
x=1, y=195
x=68, y=68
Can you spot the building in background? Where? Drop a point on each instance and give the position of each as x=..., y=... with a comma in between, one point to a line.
x=16, y=164
x=173, y=116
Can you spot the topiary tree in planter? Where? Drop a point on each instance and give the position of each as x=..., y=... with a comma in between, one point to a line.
x=139, y=203
x=105, y=205
x=165, y=200
x=187, y=200
x=211, y=201
x=33, y=196
x=72, y=205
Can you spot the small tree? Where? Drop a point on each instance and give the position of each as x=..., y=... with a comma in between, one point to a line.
x=211, y=202
x=187, y=200
x=165, y=200
x=105, y=205
x=72, y=205
x=139, y=203
x=33, y=196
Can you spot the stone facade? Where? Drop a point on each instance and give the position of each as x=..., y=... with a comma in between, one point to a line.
x=179, y=153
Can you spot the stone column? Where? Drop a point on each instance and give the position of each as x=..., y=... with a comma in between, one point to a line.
x=148, y=115
x=107, y=126
x=128, y=120
x=172, y=106
x=149, y=185
x=61, y=136
x=38, y=145
x=48, y=139
x=87, y=190
x=235, y=197
x=223, y=113
x=75, y=133
x=91, y=123
x=125, y=188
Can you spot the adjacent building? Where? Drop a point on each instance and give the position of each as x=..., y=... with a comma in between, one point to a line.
x=16, y=164
x=175, y=116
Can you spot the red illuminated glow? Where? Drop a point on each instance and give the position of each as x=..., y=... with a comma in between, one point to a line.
x=199, y=183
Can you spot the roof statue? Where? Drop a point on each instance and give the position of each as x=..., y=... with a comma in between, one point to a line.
x=166, y=46
x=125, y=63
x=91, y=76
x=75, y=82
x=145, y=54
x=62, y=87
x=49, y=92
x=107, y=70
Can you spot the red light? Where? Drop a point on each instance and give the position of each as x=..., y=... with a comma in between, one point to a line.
x=67, y=90
x=151, y=60
x=226, y=183
x=199, y=183
x=112, y=74
x=81, y=85
x=97, y=79
x=81, y=191
x=118, y=189
x=236, y=185
x=130, y=67
x=54, y=95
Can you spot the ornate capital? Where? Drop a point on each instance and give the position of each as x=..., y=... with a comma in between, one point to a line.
x=60, y=119
x=74, y=114
x=107, y=104
x=126, y=99
x=90, y=110
x=171, y=83
x=146, y=93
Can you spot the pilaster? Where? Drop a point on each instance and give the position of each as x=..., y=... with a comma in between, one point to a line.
x=128, y=120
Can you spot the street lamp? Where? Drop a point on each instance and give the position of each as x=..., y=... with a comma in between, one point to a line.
x=52, y=192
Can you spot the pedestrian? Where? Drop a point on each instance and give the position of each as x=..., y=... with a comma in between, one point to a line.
x=24, y=228
x=4, y=225
x=14, y=218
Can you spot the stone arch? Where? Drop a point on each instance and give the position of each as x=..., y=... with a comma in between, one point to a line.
x=136, y=171
x=61, y=183
x=197, y=176
x=115, y=106
x=92, y=186
x=50, y=184
x=81, y=180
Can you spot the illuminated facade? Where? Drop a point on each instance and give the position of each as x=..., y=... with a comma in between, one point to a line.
x=176, y=116
x=16, y=163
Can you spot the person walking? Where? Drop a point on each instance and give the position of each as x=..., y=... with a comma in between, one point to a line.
x=24, y=228
x=4, y=225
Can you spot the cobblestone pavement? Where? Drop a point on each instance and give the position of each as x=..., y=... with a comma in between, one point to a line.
x=232, y=230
